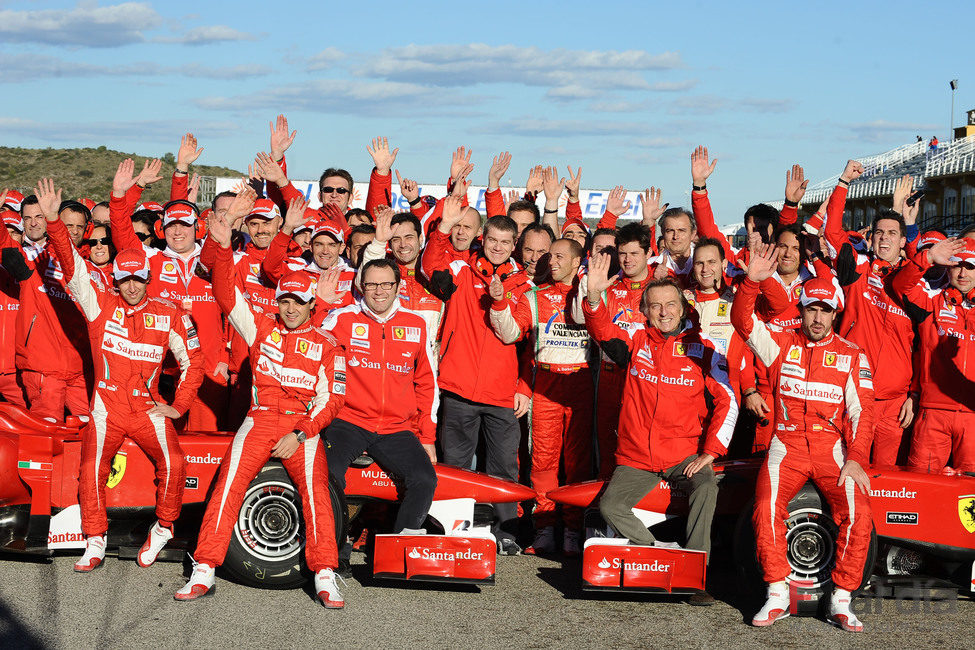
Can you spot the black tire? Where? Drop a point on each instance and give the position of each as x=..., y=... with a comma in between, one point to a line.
x=267, y=546
x=811, y=543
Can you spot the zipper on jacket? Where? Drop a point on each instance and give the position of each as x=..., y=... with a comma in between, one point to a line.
x=30, y=329
x=382, y=374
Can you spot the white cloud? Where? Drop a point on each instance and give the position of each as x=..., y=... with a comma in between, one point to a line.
x=325, y=59
x=18, y=68
x=769, y=105
x=530, y=126
x=207, y=35
x=86, y=25
x=76, y=133
x=882, y=130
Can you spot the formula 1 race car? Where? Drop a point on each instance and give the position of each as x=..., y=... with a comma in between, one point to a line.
x=922, y=546
x=40, y=515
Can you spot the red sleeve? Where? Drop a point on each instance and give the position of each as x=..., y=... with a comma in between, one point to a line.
x=61, y=243
x=274, y=192
x=132, y=197
x=380, y=191
x=188, y=386
x=208, y=253
x=494, y=202
x=788, y=215
x=420, y=209
x=743, y=307
x=120, y=218
x=425, y=384
x=724, y=410
x=860, y=433
x=746, y=374
x=436, y=255
x=776, y=299
x=521, y=312
x=275, y=263
x=833, y=227
x=601, y=327
x=608, y=220
x=180, y=188
x=907, y=281
x=222, y=278
x=321, y=415
x=704, y=218
x=573, y=210
x=653, y=240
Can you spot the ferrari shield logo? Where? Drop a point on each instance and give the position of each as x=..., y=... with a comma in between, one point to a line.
x=399, y=333
x=150, y=320
x=302, y=346
x=830, y=359
x=966, y=512
x=723, y=309
x=118, y=470
x=679, y=350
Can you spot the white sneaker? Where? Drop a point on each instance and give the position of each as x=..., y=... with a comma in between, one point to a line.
x=327, y=588
x=202, y=582
x=544, y=541
x=570, y=543
x=776, y=607
x=840, y=613
x=157, y=539
x=94, y=554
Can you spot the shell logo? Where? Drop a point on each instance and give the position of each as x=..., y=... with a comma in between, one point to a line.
x=275, y=336
x=168, y=267
x=360, y=330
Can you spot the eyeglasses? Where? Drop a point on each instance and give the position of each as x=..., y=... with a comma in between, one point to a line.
x=337, y=190
x=102, y=241
x=143, y=236
x=372, y=286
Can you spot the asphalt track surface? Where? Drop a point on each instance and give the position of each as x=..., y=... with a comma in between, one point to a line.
x=535, y=603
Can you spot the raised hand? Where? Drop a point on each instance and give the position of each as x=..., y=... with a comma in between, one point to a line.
x=295, y=215
x=510, y=197
x=461, y=184
x=499, y=166
x=194, y=188
x=534, y=183
x=572, y=184
x=281, y=140
x=408, y=188
x=614, y=202
x=270, y=170
x=902, y=190
x=188, y=153
x=459, y=161
x=327, y=288
x=496, y=289
x=453, y=212
x=333, y=213
x=852, y=171
x=382, y=157
x=384, y=223
x=651, y=206
x=242, y=204
x=762, y=262
x=151, y=173
x=124, y=178
x=942, y=252
x=552, y=185
x=795, y=184
x=598, y=279
x=218, y=229
x=48, y=198
x=701, y=166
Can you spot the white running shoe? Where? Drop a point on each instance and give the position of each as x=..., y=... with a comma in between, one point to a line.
x=157, y=539
x=840, y=613
x=570, y=543
x=544, y=541
x=327, y=588
x=94, y=554
x=776, y=607
x=202, y=582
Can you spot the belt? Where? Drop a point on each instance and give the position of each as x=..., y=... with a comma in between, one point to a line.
x=562, y=368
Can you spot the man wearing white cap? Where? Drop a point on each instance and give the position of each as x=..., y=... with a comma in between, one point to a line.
x=299, y=387
x=823, y=395
x=130, y=334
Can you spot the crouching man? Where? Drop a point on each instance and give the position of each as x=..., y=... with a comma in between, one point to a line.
x=823, y=394
x=297, y=391
x=670, y=369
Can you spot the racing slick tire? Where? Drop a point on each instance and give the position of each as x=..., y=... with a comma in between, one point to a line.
x=267, y=547
x=811, y=544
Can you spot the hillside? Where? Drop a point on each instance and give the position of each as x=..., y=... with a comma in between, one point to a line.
x=84, y=172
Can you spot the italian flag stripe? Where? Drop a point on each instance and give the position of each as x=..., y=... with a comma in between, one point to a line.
x=30, y=464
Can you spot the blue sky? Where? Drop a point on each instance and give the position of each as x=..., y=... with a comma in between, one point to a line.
x=624, y=89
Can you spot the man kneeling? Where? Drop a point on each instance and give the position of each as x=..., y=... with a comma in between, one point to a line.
x=670, y=366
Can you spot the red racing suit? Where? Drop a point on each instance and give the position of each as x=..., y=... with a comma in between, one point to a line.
x=128, y=345
x=823, y=396
x=946, y=371
x=10, y=389
x=390, y=377
x=176, y=278
x=664, y=417
x=298, y=385
x=622, y=301
x=561, y=416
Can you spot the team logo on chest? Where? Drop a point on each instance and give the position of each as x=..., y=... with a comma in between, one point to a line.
x=723, y=309
x=275, y=337
x=830, y=360
x=795, y=354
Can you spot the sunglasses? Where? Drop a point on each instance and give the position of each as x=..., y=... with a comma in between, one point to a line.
x=337, y=190
x=102, y=241
x=143, y=236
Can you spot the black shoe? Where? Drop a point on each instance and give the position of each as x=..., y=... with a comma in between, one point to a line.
x=344, y=569
x=508, y=547
x=701, y=599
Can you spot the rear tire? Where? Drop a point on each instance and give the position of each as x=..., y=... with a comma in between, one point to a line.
x=811, y=550
x=267, y=546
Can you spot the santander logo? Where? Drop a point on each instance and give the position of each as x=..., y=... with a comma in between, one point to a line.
x=651, y=567
x=426, y=554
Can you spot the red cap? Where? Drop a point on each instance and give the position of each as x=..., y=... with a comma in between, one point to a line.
x=88, y=203
x=14, y=199
x=153, y=206
x=299, y=284
x=131, y=261
x=573, y=221
x=264, y=209
x=325, y=227
x=180, y=212
x=822, y=289
x=13, y=219
x=967, y=256
x=929, y=239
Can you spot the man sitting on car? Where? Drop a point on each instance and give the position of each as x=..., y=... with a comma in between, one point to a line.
x=298, y=389
x=823, y=394
x=670, y=366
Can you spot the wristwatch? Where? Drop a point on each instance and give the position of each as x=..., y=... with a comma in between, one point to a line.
x=300, y=435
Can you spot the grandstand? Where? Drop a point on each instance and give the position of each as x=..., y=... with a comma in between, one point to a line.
x=947, y=175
